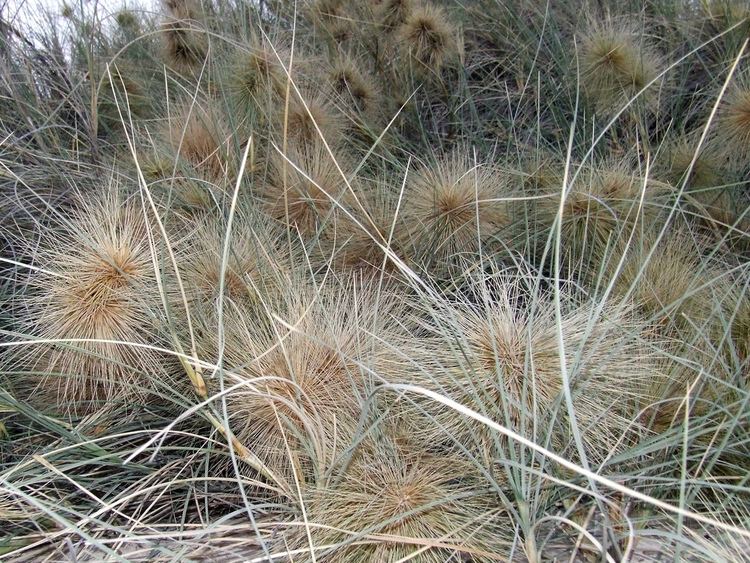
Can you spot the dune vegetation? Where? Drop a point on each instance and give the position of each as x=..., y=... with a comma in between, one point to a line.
x=376, y=280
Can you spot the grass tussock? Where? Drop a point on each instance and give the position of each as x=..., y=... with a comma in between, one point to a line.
x=375, y=281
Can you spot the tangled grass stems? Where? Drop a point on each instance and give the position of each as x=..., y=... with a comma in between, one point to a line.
x=567, y=300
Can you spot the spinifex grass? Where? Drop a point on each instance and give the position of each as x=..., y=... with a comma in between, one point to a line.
x=369, y=281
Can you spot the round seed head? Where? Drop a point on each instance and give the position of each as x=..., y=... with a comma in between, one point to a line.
x=306, y=377
x=733, y=127
x=406, y=498
x=300, y=195
x=256, y=262
x=452, y=206
x=355, y=88
x=185, y=43
x=393, y=13
x=199, y=137
x=96, y=283
x=429, y=37
x=256, y=78
x=603, y=205
x=616, y=63
x=304, y=120
x=502, y=357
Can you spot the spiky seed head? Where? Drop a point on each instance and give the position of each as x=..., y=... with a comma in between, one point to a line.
x=505, y=361
x=616, y=63
x=667, y=282
x=707, y=170
x=256, y=76
x=404, y=498
x=453, y=205
x=256, y=261
x=306, y=363
x=199, y=136
x=353, y=86
x=359, y=247
x=603, y=205
x=185, y=42
x=732, y=131
x=96, y=283
x=303, y=120
x=127, y=20
x=392, y=13
x=120, y=96
x=429, y=37
x=332, y=18
x=302, y=185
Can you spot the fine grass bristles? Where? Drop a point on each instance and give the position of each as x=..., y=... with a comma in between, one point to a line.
x=602, y=206
x=732, y=131
x=307, y=122
x=185, y=41
x=707, y=170
x=121, y=96
x=302, y=186
x=392, y=503
x=306, y=363
x=355, y=88
x=667, y=282
x=331, y=18
x=392, y=13
x=429, y=38
x=200, y=137
x=95, y=293
x=375, y=280
x=256, y=78
x=359, y=245
x=503, y=353
x=257, y=262
x=452, y=206
x=616, y=63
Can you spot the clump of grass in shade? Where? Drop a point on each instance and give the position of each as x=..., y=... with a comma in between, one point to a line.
x=732, y=130
x=303, y=185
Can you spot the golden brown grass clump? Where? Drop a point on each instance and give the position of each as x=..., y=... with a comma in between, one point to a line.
x=392, y=13
x=394, y=503
x=360, y=246
x=256, y=77
x=95, y=292
x=185, y=42
x=452, y=206
x=354, y=87
x=307, y=121
x=331, y=17
x=257, y=263
x=502, y=358
x=616, y=63
x=429, y=37
x=306, y=365
x=668, y=283
x=601, y=207
x=302, y=185
x=732, y=131
x=199, y=136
